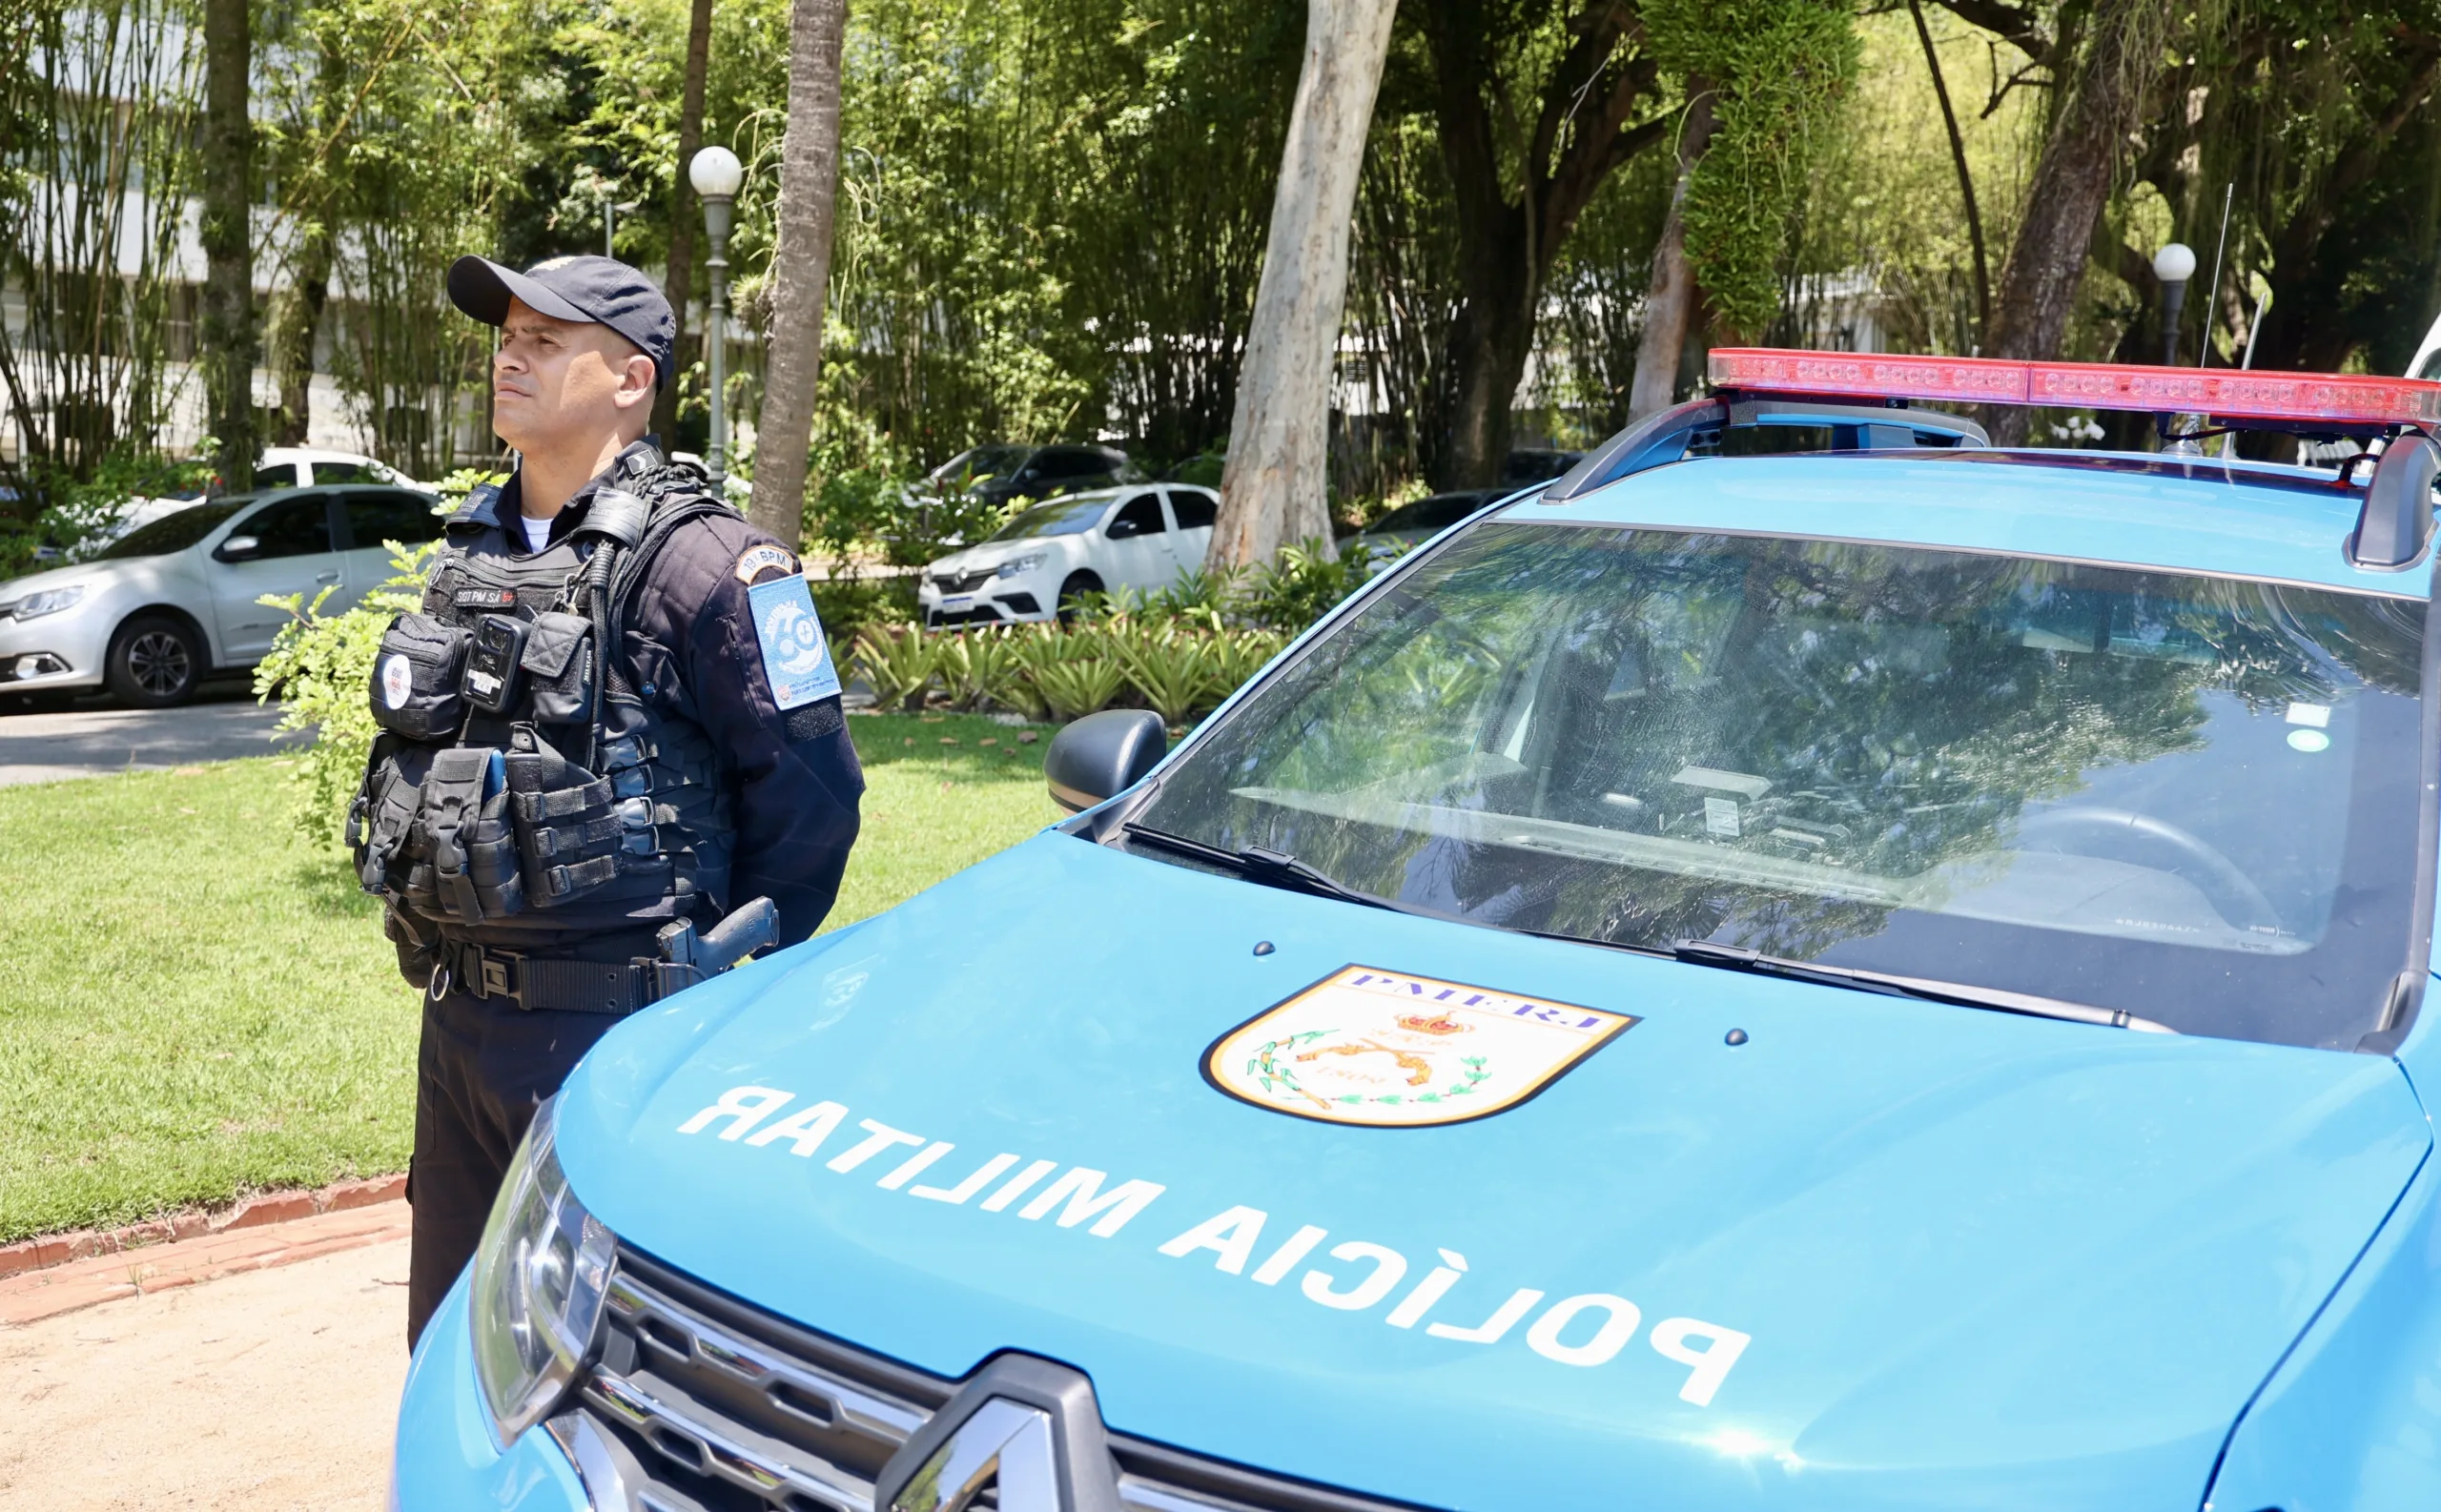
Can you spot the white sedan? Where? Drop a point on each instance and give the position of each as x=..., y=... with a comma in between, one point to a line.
x=1135, y=536
x=177, y=598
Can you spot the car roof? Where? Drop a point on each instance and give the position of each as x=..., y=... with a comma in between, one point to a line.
x=2140, y=509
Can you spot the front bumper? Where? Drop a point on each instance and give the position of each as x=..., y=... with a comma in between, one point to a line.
x=55, y=650
x=445, y=1458
x=993, y=600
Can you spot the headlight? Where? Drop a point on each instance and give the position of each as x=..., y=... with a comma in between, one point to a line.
x=1018, y=567
x=50, y=601
x=539, y=1279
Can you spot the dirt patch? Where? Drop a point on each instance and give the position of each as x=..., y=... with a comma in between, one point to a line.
x=273, y=1390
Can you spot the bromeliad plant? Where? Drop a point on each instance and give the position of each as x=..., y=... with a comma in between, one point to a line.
x=899, y=662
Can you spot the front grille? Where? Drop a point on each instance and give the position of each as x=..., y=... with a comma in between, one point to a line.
x=963, y=582
x=980, y=614
x=700, y=1402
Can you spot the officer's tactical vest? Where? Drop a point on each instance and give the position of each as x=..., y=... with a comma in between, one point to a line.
x=520, y=792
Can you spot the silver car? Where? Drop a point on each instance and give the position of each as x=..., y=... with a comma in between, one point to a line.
x=177, y=599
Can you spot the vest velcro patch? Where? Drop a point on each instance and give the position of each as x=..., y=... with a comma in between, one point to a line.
x=484, y=598
x=758, y=560
x=796, y=657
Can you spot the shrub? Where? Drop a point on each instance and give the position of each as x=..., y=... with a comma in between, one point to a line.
x=1073, y=669
x=1171, y=669
x=979, y=668
x=1304, y=582
x=319, y=666
x=899, y=662
x=847, y=607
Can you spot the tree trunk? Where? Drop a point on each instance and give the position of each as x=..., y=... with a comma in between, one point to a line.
x=800, y=267
x=1966, y=174
x=228, y=335
x=1579, y=136
x=1670, y=303
x=1490, y=341
x=685, y=213
x=1273, y=485
x=296, y=326
x=2088, y=145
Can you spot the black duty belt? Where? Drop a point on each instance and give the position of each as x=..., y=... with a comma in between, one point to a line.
x=559, y=982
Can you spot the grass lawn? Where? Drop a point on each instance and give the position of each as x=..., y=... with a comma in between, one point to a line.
x=196, y=1004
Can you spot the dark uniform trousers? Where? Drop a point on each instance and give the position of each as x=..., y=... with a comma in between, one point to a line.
x=482, y=1070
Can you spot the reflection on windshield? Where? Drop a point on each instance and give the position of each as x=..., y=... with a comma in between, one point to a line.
x=1059, y=516
x=983, y=462
x=175, y=532
x=2190, y=798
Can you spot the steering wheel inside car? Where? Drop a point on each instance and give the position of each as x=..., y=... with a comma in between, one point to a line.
x=2113, y=834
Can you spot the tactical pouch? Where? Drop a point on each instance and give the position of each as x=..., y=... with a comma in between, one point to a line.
x=567, y=824
x=381, y=819
x=559, y=668
x=463, y=826
x=415, y=678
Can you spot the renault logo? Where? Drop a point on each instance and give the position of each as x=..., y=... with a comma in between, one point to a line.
x=1029, y=1427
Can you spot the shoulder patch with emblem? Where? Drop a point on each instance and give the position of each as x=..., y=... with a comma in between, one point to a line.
x=796, y=655
x=757, y=559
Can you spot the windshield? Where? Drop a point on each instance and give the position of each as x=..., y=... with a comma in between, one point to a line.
x=982, y=461
x=175, y=532
x=2194, y=799
x=1072, y=516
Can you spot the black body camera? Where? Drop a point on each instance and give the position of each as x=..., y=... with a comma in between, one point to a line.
x=491, y=662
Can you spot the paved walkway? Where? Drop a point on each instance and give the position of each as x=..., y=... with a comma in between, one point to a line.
x=91, y=741
x=266, y=1392
x=128, y=1385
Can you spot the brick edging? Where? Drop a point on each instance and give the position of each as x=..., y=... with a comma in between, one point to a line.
x=48, y=1250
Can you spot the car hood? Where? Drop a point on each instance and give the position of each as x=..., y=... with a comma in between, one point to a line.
x=1977, y=1258
x=87, y=572
x=985, y=554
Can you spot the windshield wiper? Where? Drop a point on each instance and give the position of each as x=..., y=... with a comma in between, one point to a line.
x=1274, y=869
x=1738, y=958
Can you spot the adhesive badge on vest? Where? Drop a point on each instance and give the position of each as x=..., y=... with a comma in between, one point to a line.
x=797, y=656
x=1391, y=1050
x=398, y=681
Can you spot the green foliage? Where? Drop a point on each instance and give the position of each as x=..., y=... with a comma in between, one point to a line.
x=847, y=607
x=979, y=668
x=1779, y=68
x=320, y=668
x=81, y=512
x=1304, y=582
x=1073, y=668
x=899, y=662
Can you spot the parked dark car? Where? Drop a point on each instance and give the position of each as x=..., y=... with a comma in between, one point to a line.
x=1536, y=464
x=999, y=473
x=1412, y=523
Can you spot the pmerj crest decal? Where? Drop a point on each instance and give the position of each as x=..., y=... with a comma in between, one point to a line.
x=1393, y=1051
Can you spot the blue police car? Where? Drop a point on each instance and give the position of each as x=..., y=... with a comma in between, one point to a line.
x=1812, y=963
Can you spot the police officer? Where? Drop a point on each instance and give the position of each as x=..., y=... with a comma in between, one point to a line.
x=614, y=723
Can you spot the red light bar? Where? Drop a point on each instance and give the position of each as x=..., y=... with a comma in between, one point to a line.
x=2221, y=393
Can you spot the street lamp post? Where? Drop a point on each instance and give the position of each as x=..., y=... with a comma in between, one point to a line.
x=2174, y=264
x=716, y=174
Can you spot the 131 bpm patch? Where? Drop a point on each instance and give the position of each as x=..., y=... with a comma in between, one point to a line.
x=796, y=655
x=1391, y=1050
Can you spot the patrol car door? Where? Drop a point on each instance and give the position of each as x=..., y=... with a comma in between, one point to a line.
x=1136, y=545
x=373, y=517
x=1192, y=512
x=283, y=547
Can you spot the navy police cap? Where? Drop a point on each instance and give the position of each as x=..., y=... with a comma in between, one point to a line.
x=601, y=290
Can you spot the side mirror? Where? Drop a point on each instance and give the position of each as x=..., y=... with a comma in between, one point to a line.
x=240, y=548
x=1103, y=754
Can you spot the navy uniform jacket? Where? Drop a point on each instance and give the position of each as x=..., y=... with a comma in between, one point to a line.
x=690, y=648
